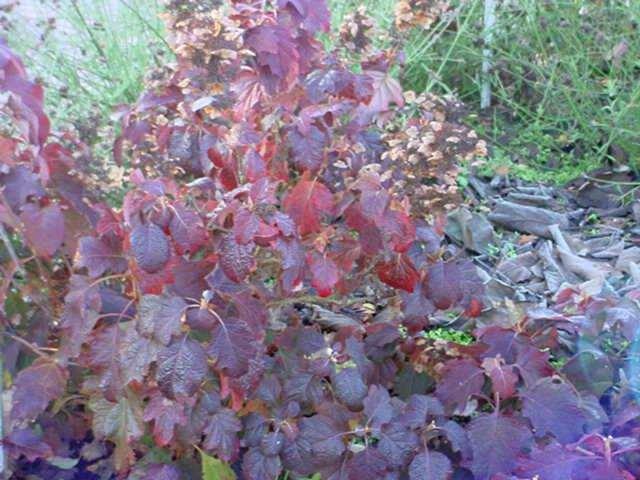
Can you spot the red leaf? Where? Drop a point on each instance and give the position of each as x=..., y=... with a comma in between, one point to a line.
x=503, y=377
x=307, y=203
x=324, y=273
x=398, y=273
x=187, y=229
x=449, y=284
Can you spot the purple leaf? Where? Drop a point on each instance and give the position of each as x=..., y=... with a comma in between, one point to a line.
x=496, y=442
x=377, y=406
x=181, y=368
x=43, y=228
x=369, y=463
x=553, y=407
x=232, y=346
x=165, y=414
x=221, y=434
x=429, y=465
x=461, y=379
x=98, y=257
x=308, y=149
x=150, y=247
x=257, y=466
x=160, y=317
x=349, y=387
x=35, y=387
x=236, y=260
x=24, y=441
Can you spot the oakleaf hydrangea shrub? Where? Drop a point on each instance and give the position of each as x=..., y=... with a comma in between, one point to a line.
x=258, y=304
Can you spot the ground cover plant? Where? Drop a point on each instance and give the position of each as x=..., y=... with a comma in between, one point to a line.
x=262, y=304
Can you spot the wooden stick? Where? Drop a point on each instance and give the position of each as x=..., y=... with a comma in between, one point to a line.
x=489, y=22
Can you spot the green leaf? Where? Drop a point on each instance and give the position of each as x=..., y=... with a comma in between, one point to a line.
x=64, y=463
x=214, y=469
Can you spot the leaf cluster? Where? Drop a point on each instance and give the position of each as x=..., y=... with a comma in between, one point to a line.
x=262, y=295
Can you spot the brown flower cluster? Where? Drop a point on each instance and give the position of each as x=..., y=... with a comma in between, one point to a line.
x=429, y=151
x=419, y=13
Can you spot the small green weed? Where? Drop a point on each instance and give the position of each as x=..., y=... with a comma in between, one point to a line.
x=449, y=335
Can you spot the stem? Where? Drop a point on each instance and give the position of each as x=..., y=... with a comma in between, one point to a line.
x=89, y=30
x=489, y=22
x=27, y=344
x=9, y=246
x=156, y=33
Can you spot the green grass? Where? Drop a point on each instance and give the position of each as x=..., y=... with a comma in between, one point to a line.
x=94, y=59
x=562, y=103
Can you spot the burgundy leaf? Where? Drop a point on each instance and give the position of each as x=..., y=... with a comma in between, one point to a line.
x=24, y=441
x=98, y=257
x=137, y=354
x=369, y=462
x=121, y=422
x=314, y=16
x=308, y=149
x=324, y=273
x=35, y=387
x=165, y=414
x=386, y=90
x=553, y=462
x=181, y=368
x=20, y=184
x=293, y=263
x=276, y=53
x=420, y=409
x=162, y=472
x=398, y=443
x=503, y=377
x=323, y=439
x=349, y=387
x=150, y=247
x=187, y=229
x=377, y=406
x=448, y=284
x=43, y=228
x=232, y=346
x=461, y=379
x=257, y=466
